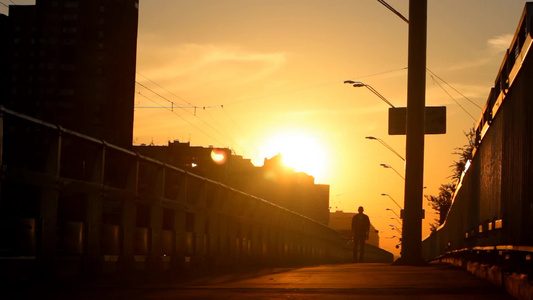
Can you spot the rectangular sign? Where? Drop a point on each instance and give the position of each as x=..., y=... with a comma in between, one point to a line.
x=435, y=122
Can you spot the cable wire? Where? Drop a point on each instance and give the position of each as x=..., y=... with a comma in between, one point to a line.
x=164, y=88
x=431, y=72
x=393, y=10
x=187, y=121
x=181, y=107
x=211, y=117
x=453, y=98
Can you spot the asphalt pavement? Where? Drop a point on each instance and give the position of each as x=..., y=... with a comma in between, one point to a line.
x=347, y=281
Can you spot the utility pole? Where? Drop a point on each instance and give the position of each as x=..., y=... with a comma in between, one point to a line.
x=414, y=166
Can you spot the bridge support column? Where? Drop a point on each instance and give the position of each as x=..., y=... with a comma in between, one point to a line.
x=93, y=259
x=129, y=214
x=156, y=221
x=46, y=248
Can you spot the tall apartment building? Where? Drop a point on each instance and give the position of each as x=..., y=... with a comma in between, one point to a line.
x=72, y=63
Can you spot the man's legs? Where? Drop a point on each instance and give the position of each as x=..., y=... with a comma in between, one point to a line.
x=355, y=245
x=362, y=251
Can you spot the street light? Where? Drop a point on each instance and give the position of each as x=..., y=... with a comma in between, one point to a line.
x=393, y=212
x=394, y=227
x=386, y=145
x=392, y=200
x=389, y=167
x=393, y=218
x=360, y=84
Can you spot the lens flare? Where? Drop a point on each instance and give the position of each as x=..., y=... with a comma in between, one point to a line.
x=218, y=156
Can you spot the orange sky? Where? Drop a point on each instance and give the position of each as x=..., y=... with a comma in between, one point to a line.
x=274, y=70
x=270, y=75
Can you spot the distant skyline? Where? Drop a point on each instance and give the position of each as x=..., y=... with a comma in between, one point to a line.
x=271, y=71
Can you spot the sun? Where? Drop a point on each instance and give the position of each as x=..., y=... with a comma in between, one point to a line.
x=300, y=151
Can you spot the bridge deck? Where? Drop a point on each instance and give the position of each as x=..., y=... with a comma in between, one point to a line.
x=348, y=281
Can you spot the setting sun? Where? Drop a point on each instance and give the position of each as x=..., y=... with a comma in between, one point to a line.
x=300, y=151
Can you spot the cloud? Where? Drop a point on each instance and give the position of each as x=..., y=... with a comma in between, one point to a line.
x=197, y=64
x=495, y=47
x=500, y=43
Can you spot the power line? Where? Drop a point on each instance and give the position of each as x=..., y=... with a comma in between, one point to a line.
x=380, y=73
x=188, y=122
x=172, y=102
x=163, y=88
x=453, y=88
x=204, y=108
x=453, y=98
x=227, y=136
x=260, y=97
x=234, y=122
x=310, y=87
x=220, y=125
x=393, y=10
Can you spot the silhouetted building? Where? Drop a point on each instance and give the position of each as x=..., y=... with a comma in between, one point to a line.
x=342, y=222
x=273, y=181
x=213, y=163
x=295, y=191
x=72, y=63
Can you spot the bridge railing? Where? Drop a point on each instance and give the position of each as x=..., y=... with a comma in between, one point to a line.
x=72, y=203
x=492, y=207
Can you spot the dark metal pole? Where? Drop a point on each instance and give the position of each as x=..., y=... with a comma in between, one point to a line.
x=416, y=102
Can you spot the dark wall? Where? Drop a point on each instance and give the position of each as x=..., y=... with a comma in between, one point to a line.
x=494, y=201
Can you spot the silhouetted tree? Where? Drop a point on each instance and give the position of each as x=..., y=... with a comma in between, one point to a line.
x=465, y=154
x=443, y=201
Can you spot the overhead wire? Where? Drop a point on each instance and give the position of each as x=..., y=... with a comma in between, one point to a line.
x=172, y=102
x=433, y=75
x=234, y=122
x=187, y=121
x=380, y=73
x=431, y=72
x=453, y=98
x=164, y=88
x=227, y=136
x=204, y=108
x=394, y=10
x=222, y=127
x=310, y=87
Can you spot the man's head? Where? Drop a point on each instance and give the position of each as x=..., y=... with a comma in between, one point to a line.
x=361, y=209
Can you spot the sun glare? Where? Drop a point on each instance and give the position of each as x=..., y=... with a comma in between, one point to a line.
x=300, y=151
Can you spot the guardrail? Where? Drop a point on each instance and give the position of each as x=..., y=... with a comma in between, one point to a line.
x=510, y=267
x=492, y=204
x=71, y=203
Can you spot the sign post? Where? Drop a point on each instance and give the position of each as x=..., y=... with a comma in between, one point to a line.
x=414, y=163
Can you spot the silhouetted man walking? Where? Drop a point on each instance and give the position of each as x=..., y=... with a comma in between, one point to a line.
x=360, y=228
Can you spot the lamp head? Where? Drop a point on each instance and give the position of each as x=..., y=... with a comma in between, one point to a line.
x=355, y=83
